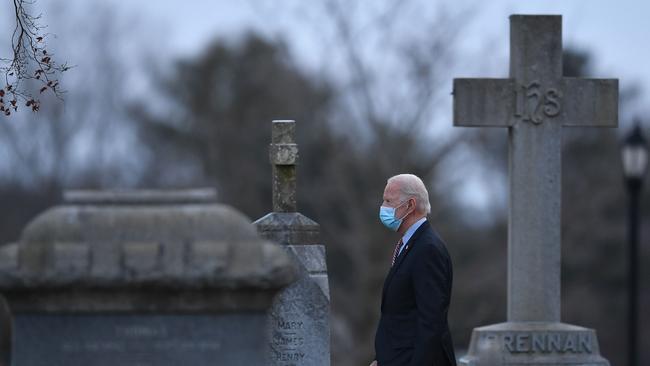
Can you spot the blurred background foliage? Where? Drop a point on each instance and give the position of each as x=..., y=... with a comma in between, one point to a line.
x=204, y=120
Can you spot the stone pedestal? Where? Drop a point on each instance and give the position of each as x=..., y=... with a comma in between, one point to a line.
x=158, y=278
x=533, y=343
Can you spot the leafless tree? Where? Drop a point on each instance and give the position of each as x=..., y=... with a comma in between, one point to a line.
x=83, y=141
x=30, y=60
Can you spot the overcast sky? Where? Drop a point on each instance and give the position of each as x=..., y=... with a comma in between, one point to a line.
x=616, y=32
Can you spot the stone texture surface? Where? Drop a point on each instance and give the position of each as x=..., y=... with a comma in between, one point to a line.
x=138, y=340
x=118, y=278
x=283, y=154
x=148, y=243
x=534, y=103
x=298, y=325
x=289, y=228
x=474, y=99
x=299, y=318
x=533, y=343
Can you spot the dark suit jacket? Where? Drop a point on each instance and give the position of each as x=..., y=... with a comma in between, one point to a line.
x=413, y=327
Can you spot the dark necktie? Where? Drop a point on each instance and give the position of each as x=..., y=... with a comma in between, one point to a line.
x=396, y=251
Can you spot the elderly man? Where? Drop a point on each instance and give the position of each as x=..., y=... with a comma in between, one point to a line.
x=413, y=326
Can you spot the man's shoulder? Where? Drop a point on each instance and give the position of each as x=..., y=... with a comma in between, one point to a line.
x=429, y=241
x=426, y=234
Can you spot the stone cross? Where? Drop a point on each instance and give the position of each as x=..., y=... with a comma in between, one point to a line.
x=298, y=326
x=535, y=103
x=283, y=154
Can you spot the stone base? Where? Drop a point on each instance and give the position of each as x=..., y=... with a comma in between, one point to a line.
x=533, y=343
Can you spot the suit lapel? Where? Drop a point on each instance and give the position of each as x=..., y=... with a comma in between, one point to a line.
x=412, y=240
x=402, y=255
x=425, y=226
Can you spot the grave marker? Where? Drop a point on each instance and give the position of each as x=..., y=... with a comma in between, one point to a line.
x=299, y=319
x=535, y=104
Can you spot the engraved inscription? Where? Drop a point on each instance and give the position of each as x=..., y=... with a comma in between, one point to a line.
x=139, y=339
x=532, y=103
x=136, y=340
x=288, y=341
x=547, y=342
x=142, y=331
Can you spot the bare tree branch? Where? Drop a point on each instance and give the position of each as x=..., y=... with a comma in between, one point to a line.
x=362, y=81
x=30, y=60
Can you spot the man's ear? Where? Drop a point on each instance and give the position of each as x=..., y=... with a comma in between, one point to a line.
x=414, y=203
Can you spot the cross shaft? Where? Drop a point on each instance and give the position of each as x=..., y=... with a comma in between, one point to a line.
x=534, y=104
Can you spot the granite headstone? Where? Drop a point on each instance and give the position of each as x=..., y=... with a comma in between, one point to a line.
x=299, y=319
x=150, y=278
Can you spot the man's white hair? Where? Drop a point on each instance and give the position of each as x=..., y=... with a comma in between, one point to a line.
x=411, y=186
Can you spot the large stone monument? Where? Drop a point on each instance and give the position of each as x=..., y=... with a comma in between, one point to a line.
x=145, y=278
x=535, y=103
x=299, y=321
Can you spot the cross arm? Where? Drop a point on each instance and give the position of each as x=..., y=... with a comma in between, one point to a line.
x=590, y=102
x=483, y=102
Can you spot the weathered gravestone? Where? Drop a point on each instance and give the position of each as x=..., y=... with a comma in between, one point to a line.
x=141, y=279
x=299, y=319
x=535, y=103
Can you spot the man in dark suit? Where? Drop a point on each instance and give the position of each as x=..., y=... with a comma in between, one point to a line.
x=413, y=329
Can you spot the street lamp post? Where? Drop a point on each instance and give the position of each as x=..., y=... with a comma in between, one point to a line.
x=635, y=159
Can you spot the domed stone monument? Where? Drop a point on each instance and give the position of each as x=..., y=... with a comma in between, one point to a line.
x=141, y=278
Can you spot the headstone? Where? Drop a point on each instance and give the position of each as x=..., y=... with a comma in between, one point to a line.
x=299, y=320
x=141, y=279
x=535, y=103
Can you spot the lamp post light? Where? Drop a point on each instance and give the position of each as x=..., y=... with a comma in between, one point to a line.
x=635, y=161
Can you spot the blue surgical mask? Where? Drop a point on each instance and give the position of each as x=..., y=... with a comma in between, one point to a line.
x=387, y=217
